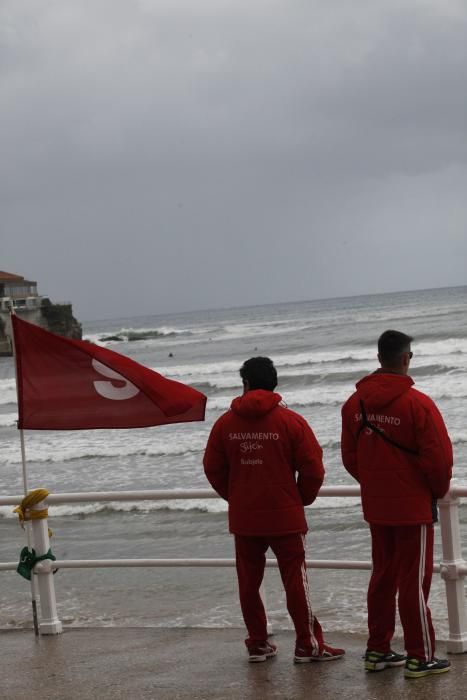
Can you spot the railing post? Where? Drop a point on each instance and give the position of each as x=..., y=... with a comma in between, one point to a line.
x=453, y=573
x=49, y=623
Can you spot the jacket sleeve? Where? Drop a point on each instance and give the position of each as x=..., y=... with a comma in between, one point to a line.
x=308, y=461
x=349, y=445
x=216, y=466
x=435, y=449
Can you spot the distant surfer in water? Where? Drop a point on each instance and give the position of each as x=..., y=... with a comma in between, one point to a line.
x=265, y=461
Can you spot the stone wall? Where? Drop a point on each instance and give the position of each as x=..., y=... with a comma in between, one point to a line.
x=5, y=345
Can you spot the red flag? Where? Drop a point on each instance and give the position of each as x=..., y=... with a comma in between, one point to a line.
x=66, y=384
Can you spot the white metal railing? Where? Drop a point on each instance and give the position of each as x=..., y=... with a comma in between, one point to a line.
x=452, y=567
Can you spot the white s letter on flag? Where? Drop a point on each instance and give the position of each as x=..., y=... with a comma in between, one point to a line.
x=107, y=389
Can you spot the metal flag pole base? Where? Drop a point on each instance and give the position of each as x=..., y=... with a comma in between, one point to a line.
x=27, y=527
x=34, y=612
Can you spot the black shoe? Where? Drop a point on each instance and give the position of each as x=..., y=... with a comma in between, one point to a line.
x=415, y=668
x=376, y=661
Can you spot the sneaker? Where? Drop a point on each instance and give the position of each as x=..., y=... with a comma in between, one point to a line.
x=327, y=653
x=261, y=652
x=376, y=661
x=416, y=668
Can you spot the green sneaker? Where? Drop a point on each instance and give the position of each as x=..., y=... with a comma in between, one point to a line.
x=376, y=661
x=415, y=668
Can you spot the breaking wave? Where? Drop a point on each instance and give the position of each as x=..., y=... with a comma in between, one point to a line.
x=203, y=505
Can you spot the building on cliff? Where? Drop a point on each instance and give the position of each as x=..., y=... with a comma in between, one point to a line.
x=21, y=295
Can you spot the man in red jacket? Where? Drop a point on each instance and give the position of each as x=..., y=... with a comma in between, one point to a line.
x=253, y=455
x=395, y=444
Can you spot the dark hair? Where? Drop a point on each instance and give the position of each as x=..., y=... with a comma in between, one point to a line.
x=391, y=345
x=260, y=373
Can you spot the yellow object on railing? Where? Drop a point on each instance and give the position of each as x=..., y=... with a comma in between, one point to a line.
x=24, y=511
x=31, y=499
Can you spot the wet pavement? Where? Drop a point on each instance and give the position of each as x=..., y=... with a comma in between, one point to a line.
x=199, y=664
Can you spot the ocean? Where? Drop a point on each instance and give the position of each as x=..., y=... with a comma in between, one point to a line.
x=321, y=349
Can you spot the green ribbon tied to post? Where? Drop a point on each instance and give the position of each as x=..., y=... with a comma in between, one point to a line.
x=28, y=559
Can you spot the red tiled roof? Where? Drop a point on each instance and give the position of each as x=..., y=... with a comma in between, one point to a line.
x=10, y=276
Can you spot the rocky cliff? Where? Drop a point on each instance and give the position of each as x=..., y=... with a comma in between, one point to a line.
x=60, y=320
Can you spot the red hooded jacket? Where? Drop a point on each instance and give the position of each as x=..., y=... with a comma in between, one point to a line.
x=397, y=486
x=253, y=454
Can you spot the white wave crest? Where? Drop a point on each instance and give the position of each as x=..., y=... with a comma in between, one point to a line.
x=439, y=349
x=205, y=505
x=61, y=447
x=147, y=334
x=443, y=386
x=8, y=420
x=264, y=328
x=322, y=395
x=7, y=391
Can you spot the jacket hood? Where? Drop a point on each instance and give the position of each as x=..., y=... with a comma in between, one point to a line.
x=256, y=403
x=382, y=388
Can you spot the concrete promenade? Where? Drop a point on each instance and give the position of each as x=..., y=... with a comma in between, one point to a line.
x=198, y=664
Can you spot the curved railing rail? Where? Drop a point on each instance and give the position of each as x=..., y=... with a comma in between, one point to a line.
x=452, y=567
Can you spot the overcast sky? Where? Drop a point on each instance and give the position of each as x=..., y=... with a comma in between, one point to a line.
x=169, y=155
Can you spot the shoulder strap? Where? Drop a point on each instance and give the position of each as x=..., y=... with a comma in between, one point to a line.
x=367, y=424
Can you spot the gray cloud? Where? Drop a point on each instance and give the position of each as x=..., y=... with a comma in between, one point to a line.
x=162, y=156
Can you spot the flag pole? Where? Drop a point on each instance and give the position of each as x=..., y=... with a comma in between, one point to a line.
x=25, y=481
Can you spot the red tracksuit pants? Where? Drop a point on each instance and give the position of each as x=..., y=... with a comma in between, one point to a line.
x=403, y=564
x=290, y=554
